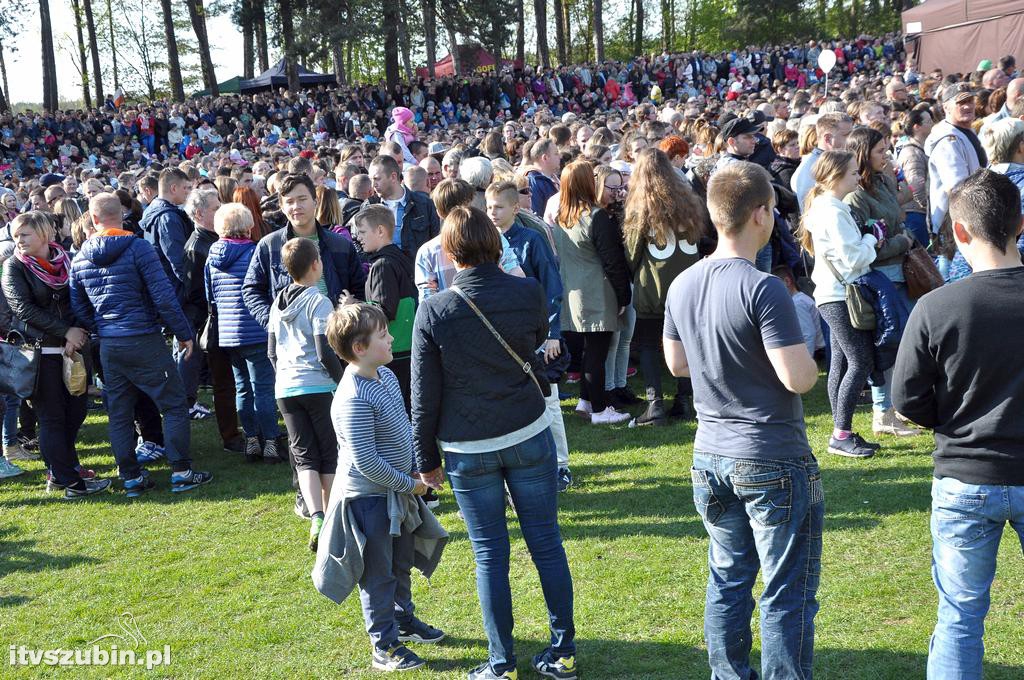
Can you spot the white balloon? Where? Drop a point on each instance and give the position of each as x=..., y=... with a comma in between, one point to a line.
x=826, y=60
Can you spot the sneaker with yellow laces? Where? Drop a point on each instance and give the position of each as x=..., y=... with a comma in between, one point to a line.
x=550, y=665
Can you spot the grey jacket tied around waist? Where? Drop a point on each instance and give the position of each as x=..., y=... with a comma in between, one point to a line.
x=339, y=556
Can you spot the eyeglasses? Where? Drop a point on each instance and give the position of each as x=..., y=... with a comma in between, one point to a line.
x=615, y=189
x=525, y=191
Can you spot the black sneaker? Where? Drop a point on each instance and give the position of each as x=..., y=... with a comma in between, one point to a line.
x=28, y=443
x=865, y=443
x=187, y=480
x=682, y=408
x=431, y=499
x=654, y=415
x=270, y=452
x=253, y=452
x=561, y=668
x=397, y=657
x=626, y=396
x=564, y=479
x=236, y=445
x=417, y=631
x=300, y=506
x=87, y=488
x=850, y=448
x=133, y=488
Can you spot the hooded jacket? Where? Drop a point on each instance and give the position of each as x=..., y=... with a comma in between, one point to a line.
x=297, y=316
x=391, y=285
x=119, y=288
x=225, y=270
x=167, y=227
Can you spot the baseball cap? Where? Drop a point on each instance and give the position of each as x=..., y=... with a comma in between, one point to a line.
x=737, y=127
x=50, y=178
x=436, y=147
x=984, y=65
x=958, y=92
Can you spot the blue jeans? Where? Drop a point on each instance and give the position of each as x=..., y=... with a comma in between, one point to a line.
x=10, y=426
x=967, y=524
x=254, y=390
x=763, y=260
x=143, y=363
x=617, y=363
x=917, y=224
x=881, y=398
x=765, y=514
x=385, y=588
x=478, y=480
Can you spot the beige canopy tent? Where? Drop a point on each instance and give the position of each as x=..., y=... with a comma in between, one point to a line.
x=955, y=35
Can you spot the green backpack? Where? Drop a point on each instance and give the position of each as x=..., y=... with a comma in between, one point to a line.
x=401, y=327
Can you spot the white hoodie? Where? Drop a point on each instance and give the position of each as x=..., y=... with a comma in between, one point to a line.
x=835, y=237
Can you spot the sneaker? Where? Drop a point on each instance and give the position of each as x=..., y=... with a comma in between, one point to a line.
x=300, y=506
x=485, y=672
x=682, y=408
x=573, y=378
x=564, y=479
x=583, y=408
x=85, y=473
x=236, y=445
x=253, y=454
x=28, y=443
x=397, y=657
x=654, y=415
x=849, y=448
x=270, y=452
x=885, y=422
x=52, y=484
x=316, y=524
x=865, y=443
x=133, y=488
x=417, y=631
x=431, y=499
x=626, y=396
x=187, y=480
x=609, y=416
x=8, y=469
x=17, y=452
x=630, y=372
x=561, y=668
x=199, y=412
x=149, y=452
x=86, y=488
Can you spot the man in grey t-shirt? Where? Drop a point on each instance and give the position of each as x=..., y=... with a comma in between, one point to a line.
x=735, y=332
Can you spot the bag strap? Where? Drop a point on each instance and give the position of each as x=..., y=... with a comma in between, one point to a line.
x=525, y=365
x=835, y=273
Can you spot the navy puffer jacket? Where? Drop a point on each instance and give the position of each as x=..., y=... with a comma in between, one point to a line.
x=119, y=288
x=225, y=271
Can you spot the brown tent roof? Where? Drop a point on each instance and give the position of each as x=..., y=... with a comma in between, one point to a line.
x=955, y=35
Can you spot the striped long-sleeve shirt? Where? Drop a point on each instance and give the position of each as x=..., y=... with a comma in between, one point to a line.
x=374, y=435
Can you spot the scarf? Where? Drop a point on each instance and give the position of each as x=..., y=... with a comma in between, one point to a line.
x=53, y=270
x=401, y=117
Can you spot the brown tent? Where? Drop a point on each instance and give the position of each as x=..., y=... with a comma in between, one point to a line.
x=955, y=35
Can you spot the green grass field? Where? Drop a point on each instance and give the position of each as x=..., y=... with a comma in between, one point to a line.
x=221, y=575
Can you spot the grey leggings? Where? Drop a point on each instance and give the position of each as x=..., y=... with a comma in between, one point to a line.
x=852, y=361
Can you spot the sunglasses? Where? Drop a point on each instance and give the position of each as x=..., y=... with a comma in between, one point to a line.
x=525, y=191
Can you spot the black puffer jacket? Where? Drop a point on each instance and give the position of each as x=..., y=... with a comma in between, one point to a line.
x=45, y=312
x=465, y=386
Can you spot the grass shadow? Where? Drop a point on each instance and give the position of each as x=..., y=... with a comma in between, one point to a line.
x=20, y=555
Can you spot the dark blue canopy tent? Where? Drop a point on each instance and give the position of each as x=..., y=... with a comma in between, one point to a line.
x=277, y=76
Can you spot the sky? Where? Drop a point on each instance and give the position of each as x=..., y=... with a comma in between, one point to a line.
x=25, y=67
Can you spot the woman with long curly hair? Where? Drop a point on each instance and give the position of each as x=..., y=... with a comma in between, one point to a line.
x=250, y=200
x=664, y=220
x=590, y=251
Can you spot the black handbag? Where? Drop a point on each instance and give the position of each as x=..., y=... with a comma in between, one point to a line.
x=19, y=365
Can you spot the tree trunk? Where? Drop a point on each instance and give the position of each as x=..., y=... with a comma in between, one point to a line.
x=495, y=47
x=559, y=33
x=197, y=14
x=259, y=23
x=638, y=40
x=391, y=19
x=453, y=49
x=173, y=64
x=248, y=47
x=567, y=30
x=113, y=46
x=666, y=25
x=76, y=8
x=348, y=60
x=540, y=11
x=288, y=38
x=429, y=8
x=94, y=50
x=338, y=54
x=599, y=30
x=5, y=93
x=406, y=48
x=49, y=62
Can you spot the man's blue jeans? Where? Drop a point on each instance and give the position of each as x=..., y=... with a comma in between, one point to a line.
x=767, y=515
x=967, y=524
x=254, y=390
x=10, y=423
x=143, y=363
x=478, y=480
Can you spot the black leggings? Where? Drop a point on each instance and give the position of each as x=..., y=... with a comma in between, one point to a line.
x=852, y=361
x=595, y=352
x=647, y=334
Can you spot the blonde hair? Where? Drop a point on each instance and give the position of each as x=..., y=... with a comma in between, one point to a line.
x=38, y=222
x=830, y=167
x=233, y=220
x=660, y=203
x=351, y=325
x=1002, y=138
x=601, y=174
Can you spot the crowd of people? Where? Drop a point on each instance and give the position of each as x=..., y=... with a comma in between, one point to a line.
x=413, y=279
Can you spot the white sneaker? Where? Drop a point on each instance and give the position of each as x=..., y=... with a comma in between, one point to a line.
x=583, y=408
x=885, y=422
x=609, y=416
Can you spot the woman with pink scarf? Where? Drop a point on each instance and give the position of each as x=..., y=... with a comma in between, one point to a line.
x=402, y=131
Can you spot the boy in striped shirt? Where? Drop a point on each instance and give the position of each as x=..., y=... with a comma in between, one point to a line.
x=375, y=458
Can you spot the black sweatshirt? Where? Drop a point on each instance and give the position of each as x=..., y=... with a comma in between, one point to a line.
x=960, y=371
